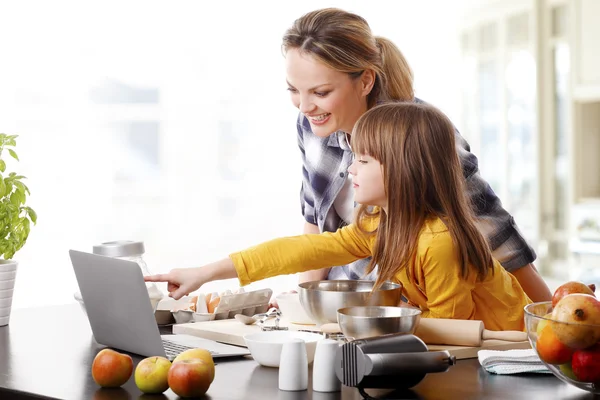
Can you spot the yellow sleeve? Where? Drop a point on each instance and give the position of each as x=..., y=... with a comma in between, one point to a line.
x=301, y=253
x=448, y=296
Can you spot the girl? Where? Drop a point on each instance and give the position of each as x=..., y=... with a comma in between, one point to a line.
x=336, y=70
x=415, y=221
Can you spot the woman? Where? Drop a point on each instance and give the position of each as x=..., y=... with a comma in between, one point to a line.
x=337, y=70
x=415, y=221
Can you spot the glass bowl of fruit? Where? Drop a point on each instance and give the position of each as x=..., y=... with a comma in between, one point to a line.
x=565, y=334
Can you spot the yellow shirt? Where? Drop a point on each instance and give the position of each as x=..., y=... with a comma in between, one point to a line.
x=437, y=290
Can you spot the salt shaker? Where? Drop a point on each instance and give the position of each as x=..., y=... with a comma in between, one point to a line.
x=324, y=377
x=293, y=366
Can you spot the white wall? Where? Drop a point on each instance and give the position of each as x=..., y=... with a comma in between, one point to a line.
x=211, y=63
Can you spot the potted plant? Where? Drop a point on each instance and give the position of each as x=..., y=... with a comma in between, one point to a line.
x=15, y=223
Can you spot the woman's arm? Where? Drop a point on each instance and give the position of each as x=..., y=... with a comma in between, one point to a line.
x=317, y=274
x=507, y=244
x=532, y=283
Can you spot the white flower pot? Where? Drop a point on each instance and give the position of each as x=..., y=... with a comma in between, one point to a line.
x=8, y=273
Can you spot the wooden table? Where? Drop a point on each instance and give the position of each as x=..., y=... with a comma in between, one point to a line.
x=47, y=352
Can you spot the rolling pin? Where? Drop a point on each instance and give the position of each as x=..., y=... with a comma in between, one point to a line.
x=460, y=332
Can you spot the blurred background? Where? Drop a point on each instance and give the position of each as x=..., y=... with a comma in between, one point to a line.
x=170, y=123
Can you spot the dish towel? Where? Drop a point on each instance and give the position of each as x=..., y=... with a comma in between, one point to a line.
x=511, y=362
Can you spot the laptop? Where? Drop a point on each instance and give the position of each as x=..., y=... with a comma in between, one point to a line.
x=120, y=313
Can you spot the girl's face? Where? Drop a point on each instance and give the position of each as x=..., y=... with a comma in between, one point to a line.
x=367, y=180
x=331, y=100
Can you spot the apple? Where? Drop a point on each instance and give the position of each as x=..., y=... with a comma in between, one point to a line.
x=151, y=375
x=200, y=354
x=570, y=288
x=567, y=371
x=189, y=378
x=542, y=324
x=581, y=312
x=111, y=369
x=550, y=349
x=586, y=364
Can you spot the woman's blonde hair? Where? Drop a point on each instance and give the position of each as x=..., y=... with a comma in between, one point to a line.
x=423, y=179
x=343, y=41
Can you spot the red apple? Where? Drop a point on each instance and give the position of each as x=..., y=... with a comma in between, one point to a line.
x=586, y=364
x=111, y=369
x=151, y=375
x=200, y=354
x=581, y=312
x=570, y=288
x=189, y=378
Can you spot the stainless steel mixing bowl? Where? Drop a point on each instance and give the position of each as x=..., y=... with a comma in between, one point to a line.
x=364, y=322
x=322, y=299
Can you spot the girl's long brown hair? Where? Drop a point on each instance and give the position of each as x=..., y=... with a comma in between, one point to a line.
x=422, y=175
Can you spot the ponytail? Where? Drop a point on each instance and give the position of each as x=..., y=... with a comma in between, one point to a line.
x=397, y=78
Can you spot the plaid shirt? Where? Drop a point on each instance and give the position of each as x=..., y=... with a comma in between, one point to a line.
x=325, y=168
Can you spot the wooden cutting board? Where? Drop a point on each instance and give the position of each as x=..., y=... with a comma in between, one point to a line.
x=231, y=331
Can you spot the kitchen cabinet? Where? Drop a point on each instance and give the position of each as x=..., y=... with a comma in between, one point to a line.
x=533, y=117
x=500, y=104
x=586, y=55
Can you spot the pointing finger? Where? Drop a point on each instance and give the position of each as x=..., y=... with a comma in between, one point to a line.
x=157, y=278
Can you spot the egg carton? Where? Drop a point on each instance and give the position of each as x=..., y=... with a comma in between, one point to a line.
x=248, y=304
x=230, y=304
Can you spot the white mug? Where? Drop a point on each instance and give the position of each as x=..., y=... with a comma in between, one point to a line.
x=324, y=377
x=293, y=366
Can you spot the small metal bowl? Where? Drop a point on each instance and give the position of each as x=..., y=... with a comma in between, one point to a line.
x=363, y=322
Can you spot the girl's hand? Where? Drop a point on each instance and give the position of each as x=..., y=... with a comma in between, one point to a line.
x=183, y=281
x=180, y=281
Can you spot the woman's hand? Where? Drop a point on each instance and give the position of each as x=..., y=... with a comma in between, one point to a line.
x=180, y=281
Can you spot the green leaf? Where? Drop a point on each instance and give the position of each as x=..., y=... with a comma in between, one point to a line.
x=32, y=214
x=20, y=186
x=2, y=188
x=13, y=154
x=15, y=200
x=2, y=166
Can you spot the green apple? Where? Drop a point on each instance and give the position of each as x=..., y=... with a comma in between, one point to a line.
x=567, y=371
x=151, y=375
x=542, y=323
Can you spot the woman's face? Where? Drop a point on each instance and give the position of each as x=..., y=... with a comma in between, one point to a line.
x=367, y=181
x=331, y=100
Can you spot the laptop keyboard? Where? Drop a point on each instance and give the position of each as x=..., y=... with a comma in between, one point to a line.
x=172, y=349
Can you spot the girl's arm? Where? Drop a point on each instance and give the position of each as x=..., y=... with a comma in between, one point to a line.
x=183, y=281
x=295, y=254
x=276, y=257
x=317, y=274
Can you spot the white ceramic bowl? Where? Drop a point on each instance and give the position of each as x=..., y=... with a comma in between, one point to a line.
x=292, y=310
x=265, y=347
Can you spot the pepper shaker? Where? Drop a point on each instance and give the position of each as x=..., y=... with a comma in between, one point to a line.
x=324, y=377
